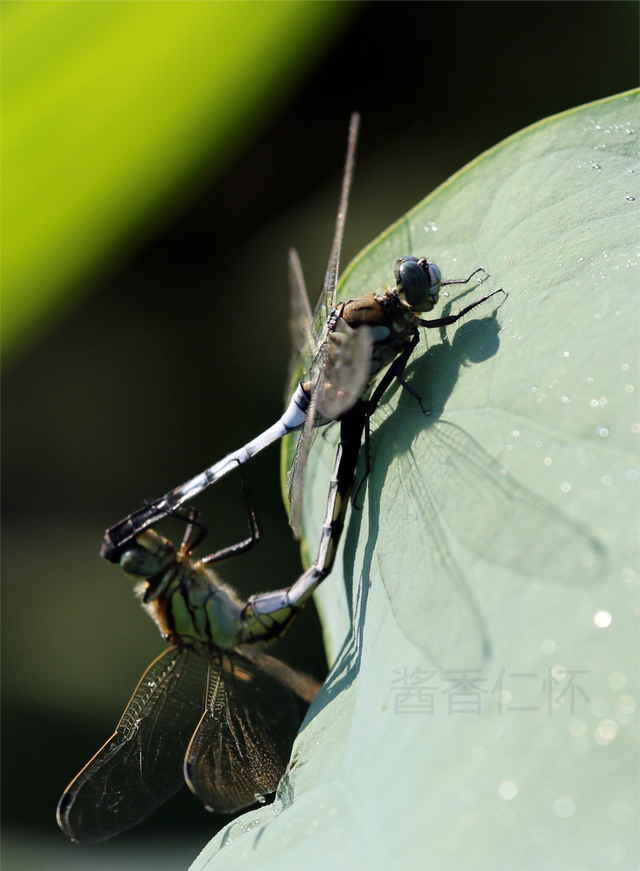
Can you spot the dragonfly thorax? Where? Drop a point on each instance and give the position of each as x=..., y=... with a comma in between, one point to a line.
x=185, y=598
x=418, y=281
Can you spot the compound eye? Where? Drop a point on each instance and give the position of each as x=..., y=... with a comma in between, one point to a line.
x=397, y=268
x=148, y=556
x=140, y=562
x=413, y=280
x=435, y=274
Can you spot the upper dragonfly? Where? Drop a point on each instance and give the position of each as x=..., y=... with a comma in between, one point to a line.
x=344, y=345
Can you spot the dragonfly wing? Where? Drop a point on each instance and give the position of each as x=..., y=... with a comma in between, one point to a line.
x=347, y=368
x=140, y=766
x=303, y=339
x=295, y=475
x=339, y=375
x=303, y=685
x=242, y=744
x=322, y=310
x=326, y=300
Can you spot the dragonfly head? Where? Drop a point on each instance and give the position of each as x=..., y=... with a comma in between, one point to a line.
x=418, y=281
x=149, y=555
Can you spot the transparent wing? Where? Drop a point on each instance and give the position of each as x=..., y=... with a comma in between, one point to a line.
x=319, y=319
x=346, y=369
x=339, y=376
x=303, y=339
x=242, y=744
x=295, y=475
x=441, y=469
x=140, y=766
x=303, y=685
x=327, y=299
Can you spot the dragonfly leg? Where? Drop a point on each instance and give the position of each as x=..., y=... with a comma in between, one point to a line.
x=394, y=371
x=464, y=280
x=241, y=546
x=451, y=319
x=367, y=461
x=269, y=615
x=196, y=531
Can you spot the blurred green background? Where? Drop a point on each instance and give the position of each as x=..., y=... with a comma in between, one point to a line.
x=158, y=160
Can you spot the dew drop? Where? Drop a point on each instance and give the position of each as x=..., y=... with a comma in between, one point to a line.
x=628, y=575
x=577, y=728
x=605, y=732
x=616, y=680
x=507, y=790
x=602, y=619
x=599, y=707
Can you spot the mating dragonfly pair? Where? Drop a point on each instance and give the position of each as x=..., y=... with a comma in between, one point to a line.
x=214, y=710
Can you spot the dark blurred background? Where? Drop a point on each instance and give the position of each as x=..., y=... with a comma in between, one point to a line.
x=176, y=351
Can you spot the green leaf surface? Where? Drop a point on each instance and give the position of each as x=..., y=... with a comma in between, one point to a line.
x=109, y=109
x=496, y=534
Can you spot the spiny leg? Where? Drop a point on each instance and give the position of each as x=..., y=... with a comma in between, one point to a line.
x=248, y=543
x=394, y=371
x=463, y=280
x=451, y=319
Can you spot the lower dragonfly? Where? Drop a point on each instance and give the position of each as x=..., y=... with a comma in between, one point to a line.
x=212, y=710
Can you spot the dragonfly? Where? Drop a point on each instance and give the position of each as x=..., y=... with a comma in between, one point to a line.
x=340, y=348
x=346, y=357
x=344, y=345
x=213, y=710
